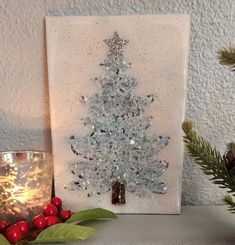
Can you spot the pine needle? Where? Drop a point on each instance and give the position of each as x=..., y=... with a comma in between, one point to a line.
x=208, y=158
x=231, y=204
x=231, y=147
x=226, y=56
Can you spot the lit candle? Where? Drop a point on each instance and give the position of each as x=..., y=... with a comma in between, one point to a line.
x=25, y=184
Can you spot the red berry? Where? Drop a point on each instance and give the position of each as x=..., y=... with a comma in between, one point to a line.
x=51, y=220
x=57, y=202
x=13, y=233
x=39, y=222
x=65, y=214
x=50, y=210
x=23, y=226
x=3, y=226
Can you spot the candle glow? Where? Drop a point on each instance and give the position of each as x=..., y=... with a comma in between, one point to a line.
x=25, y=184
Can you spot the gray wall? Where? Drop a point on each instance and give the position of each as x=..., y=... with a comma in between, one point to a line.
x=24, y=111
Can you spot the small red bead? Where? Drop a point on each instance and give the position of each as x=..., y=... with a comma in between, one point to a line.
x=3, y=226
x=50, y=210
x=24, y=227
x=65, y=214
x=57, y=202
x=51, y=220
x=13, y=234
x=39, y=222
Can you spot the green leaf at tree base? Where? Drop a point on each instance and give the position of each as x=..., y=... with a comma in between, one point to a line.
x=3, y=240
x=92, y=214
x=64, y=233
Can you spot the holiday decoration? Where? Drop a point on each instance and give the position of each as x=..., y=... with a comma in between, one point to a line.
x=39, y=222
x=56, y=202
x=55, y=228
x=212, y=163
x=220, y=167
x=50, y=210
x=25, y=183
x=3, y=226
x=117, y=103
x=226, y=57
x=118, y=154
x=65, y=214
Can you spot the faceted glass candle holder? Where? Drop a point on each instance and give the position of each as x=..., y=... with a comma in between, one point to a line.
x=25, y=184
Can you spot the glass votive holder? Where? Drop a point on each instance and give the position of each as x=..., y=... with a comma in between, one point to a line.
x=25, y=184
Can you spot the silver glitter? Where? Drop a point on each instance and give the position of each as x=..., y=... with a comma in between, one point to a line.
x=115, y=44
x=117, y=145
x=83, y=99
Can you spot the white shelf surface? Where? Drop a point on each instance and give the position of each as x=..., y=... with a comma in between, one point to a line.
x=194, y=226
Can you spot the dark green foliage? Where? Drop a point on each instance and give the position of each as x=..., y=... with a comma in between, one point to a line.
x=231, y=147
x=210, y=161
x=226, y=56
x=231, y=204
x=207, y=157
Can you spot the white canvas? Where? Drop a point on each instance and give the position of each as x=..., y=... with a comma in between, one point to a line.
x=157, y=50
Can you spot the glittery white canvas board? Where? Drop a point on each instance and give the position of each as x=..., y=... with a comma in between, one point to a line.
x=88, y=165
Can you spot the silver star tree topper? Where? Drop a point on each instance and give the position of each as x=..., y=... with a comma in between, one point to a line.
x=116, y=44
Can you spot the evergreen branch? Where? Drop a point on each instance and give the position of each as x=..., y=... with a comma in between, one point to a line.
x=231, y=147
x=227, y=57
x=208, y=158
x=231, y=204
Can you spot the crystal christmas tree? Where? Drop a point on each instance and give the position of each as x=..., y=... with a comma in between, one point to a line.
x=118, y=155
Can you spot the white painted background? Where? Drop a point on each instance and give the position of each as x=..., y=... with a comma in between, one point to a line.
x=24, y=114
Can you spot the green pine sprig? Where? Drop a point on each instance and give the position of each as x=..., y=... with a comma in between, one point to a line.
x=230, y=203
x=210, y=161
x=231, y=147
x=226, y=56
x=208, y=158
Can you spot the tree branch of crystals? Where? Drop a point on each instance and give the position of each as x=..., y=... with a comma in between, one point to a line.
x=117, y=145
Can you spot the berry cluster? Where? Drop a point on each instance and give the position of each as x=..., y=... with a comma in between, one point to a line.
x=52, y=214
